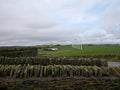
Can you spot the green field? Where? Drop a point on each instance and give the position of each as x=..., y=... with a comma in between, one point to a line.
x=68, y=50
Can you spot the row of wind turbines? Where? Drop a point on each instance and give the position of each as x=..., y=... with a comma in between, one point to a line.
x=77, y=45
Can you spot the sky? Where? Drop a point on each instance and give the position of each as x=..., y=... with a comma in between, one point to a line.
x=37, y=22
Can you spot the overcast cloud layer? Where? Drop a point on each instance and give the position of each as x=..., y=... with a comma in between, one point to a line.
x=34, y=22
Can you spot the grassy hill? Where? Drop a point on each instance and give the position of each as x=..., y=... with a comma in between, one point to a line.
x=68, y=50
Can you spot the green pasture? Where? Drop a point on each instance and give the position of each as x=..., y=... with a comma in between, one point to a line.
x=68, y=50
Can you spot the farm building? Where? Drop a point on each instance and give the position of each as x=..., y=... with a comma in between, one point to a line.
x=51, y=49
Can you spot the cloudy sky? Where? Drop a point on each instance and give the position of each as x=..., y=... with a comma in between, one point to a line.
x=33, y=22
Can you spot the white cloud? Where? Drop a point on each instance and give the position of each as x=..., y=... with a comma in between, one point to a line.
x=111, y=20
x=30, y=22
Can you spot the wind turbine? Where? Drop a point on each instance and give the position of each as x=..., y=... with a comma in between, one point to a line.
x=77, y=44
x=81, y=47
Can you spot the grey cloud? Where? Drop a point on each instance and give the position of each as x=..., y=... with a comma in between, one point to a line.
x=111, y=21
x=30, y=22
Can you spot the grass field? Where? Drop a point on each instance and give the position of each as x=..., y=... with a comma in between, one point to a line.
x=68, y=50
